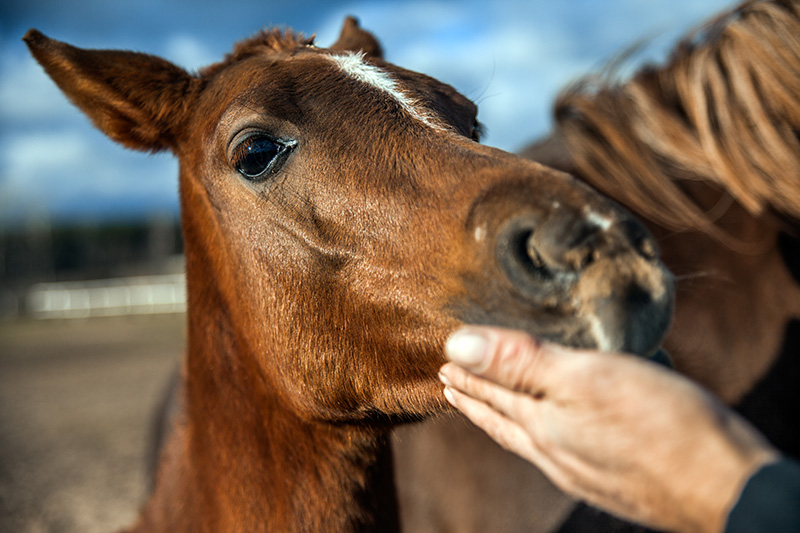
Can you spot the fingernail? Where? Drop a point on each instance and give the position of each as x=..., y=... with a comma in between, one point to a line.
x=444, y=379
x=466, y=348
x=448, y=394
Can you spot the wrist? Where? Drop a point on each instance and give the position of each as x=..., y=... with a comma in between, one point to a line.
x=724, y=476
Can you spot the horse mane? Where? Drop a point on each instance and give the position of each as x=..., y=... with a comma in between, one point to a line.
x=724, y=111
x=268, y=41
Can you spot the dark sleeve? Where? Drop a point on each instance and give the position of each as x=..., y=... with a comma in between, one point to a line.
x=770, y=501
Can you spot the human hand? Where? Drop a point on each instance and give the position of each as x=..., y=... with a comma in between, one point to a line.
x=620, y=432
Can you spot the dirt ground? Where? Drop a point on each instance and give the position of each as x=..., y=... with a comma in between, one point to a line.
x=76, y=407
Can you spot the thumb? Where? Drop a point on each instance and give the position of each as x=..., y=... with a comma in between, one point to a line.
x=509, y=358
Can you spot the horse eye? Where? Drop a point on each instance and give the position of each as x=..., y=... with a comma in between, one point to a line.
x=257, y=155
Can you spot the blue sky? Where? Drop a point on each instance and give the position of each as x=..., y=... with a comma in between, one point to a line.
x=511, y=57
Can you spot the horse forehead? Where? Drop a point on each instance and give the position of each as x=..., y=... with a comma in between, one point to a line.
x=255, y=83
x=356, y=67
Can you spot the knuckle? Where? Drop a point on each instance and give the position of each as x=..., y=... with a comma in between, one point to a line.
x=517, y=361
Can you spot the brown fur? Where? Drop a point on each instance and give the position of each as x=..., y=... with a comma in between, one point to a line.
x=320, y=295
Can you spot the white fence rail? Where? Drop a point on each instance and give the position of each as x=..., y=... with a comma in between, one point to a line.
x=113, y=297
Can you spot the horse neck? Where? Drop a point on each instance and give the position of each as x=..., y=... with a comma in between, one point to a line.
x=244, y=460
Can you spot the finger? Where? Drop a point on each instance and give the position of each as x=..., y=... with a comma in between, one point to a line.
x=500, y=428
x=510, y=403
x=510, y=358
x=512, y=436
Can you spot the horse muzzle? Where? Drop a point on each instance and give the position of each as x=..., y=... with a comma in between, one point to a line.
x=583, y=273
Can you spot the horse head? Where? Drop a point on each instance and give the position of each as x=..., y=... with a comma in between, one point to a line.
x=340, y=220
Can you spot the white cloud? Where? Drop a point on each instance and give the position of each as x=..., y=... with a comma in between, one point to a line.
x=27, y=94
x=188, y=52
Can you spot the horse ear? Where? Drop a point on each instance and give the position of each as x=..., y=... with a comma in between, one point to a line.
x=138, y=100
x=354, y=39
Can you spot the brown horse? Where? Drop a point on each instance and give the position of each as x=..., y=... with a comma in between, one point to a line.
x=705, y=150
x=340, y=221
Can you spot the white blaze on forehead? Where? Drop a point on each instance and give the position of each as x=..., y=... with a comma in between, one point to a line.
x=354, y=66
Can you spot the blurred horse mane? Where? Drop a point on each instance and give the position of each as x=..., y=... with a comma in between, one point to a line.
x=724, y=111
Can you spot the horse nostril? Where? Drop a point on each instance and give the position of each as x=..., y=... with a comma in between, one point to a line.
x=532, y=253
x=641, y=240
x=519, y=256
x=527, y=255
x=589, y=258
x=544, y=254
